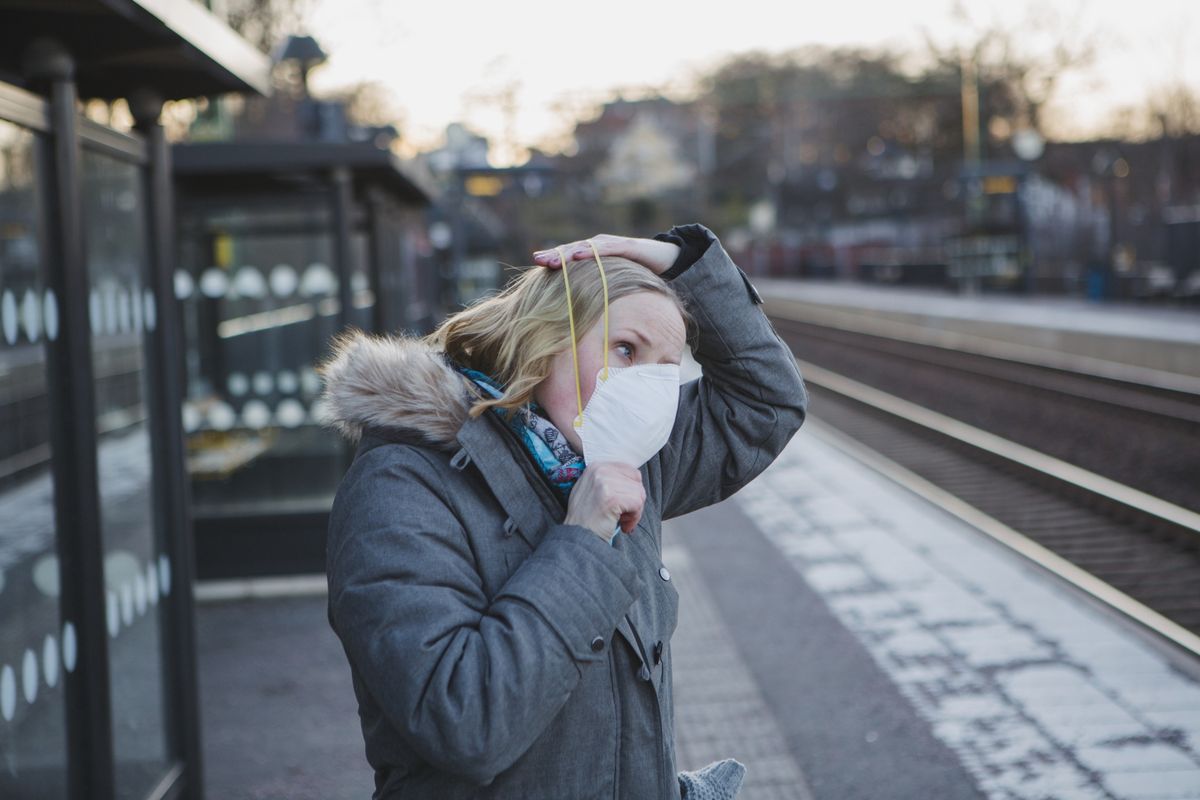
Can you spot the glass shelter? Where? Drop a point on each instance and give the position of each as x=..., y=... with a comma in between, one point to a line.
x=97, y=664
x=281, y=245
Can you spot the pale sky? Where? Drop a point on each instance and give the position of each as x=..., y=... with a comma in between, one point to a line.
x=563, y=59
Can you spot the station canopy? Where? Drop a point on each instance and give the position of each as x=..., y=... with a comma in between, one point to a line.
x=176, y=47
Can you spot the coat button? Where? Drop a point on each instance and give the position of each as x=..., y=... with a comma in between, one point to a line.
x=598, y=643
x=658, y=651
x=664, y=573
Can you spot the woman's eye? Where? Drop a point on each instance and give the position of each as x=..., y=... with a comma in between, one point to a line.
x=629, y=347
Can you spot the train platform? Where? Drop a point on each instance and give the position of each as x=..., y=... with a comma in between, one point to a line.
x=1139, y=336
x=838, y=634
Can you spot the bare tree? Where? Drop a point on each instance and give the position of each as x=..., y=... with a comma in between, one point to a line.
x=264, y=23
x=1027, y=59
x=1175, y=106
x=369, y=103
x=1170, y=106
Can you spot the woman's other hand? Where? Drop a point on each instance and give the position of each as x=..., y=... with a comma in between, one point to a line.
x=606, y=493
x=654, y=255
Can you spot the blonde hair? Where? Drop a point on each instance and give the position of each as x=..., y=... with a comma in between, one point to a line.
x=514, y=335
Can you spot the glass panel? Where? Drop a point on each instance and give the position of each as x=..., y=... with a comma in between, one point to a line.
x=137, y=573
x=362, y=294
x=37, y=647
x=259, y=295
x=409, y=273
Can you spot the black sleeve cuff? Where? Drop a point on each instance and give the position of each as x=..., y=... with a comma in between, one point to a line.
x=693, y=244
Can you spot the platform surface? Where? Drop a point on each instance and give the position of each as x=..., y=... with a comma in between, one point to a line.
x=840, y=636
x=1113, y=318
x=1141, y=344
x=1037, y=690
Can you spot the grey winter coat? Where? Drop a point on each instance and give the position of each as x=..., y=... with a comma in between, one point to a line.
x=496, y=652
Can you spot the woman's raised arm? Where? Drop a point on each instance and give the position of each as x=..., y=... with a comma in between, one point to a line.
x=737, y=417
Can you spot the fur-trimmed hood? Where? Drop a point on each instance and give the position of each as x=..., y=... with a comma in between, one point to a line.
x=397, y=382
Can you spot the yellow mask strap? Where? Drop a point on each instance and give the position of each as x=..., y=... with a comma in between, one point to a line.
x=578, y=421
x=604, y=283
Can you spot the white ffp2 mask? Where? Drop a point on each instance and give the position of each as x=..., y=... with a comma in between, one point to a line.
x=632, y=409
x=629, y=416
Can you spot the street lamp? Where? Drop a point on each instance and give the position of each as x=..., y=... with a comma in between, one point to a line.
x=1029, y=145
x=303, y=50
x=1107, y=163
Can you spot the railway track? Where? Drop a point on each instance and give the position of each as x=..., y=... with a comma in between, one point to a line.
x=1123, y=544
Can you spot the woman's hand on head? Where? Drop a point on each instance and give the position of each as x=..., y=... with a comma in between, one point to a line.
x=654, y=255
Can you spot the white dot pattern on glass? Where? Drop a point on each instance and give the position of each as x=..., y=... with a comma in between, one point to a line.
x=310, y=381
x=221, y=416
x=68, y=646
x=30, y=675
x=133, y=596
x=44, y=574
x=164, y=574
x=264, y=382
x=152, y=583
x=256, y=414
x=50, y=660
x=214, y=282
x=110, y=310
x=124, y=311
x=113, y=614
x=318, y=280
x=191, y=417
x=8, y=693
x=31, y=311
x=290, y=413
x=135, y=309
x=50, y=314
x=237, y=383
x=151, y=309
x=8, y=310
x=95, y=311
x=139, y=593
x=286, y=381
x=126, y=595
x=249, y=282
x=283, y=280
x=184, y=284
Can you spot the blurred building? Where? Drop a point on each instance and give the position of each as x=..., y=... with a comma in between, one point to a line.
x=478, y=223
x=649, y=160
x=848, y=168
x=97, y=669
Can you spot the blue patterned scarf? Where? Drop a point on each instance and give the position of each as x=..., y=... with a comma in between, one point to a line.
x=551, y=451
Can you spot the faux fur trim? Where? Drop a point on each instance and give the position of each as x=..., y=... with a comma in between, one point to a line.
x=395, y=382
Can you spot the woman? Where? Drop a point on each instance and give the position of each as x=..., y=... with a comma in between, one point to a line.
x=504, y=640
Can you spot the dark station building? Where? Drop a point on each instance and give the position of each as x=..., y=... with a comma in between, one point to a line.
x=97, y=663
x=162, y=308
x=282, y=244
